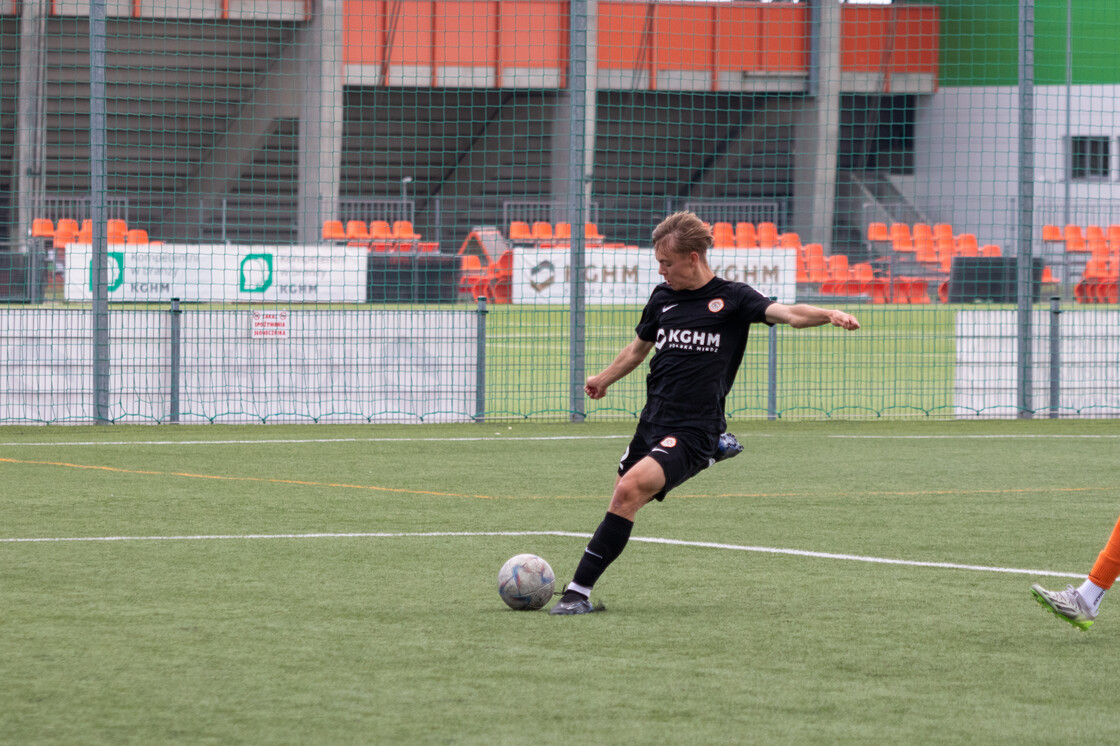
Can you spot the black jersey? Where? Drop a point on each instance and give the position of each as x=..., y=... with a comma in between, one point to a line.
x=699, y=337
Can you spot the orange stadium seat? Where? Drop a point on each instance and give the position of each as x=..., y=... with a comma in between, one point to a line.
x=767, y=235
x=723, y=236
x=745, y=236
x=519, y=231
x=925, y=250
x=816, y=267
x=1075, y=241
x=356, y=230
x=944, y=241
x=42, y=228
x=967, y=245
x=542, y=231
x=333, y=230
x=878, y=232
x=379, y=230
x=838, y=275
x=901, y=238
x=64, y=233
x=402, y=230
x=117, y=230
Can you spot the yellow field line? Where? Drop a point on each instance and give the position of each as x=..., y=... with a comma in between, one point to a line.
x=604, y=496
x=299, y=482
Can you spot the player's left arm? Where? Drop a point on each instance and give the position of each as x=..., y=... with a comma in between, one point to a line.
x=804, y=316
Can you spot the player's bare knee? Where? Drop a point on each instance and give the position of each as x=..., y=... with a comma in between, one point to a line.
x=628, y=497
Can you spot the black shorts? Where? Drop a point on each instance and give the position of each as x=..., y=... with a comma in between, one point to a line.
x=682, y=452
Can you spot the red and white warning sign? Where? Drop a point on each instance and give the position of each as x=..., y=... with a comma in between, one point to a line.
x=270, y=324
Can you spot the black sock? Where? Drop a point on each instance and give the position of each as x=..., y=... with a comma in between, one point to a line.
x=603, y=549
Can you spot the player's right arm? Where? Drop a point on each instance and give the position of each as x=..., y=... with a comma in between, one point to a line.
x=627, y=360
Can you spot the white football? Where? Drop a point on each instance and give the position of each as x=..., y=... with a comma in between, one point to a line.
x=525, y=582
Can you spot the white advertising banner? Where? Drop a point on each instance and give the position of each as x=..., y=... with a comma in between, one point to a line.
x=307, y=366
x=222, y=273
x=617, y=276
x=987, y=370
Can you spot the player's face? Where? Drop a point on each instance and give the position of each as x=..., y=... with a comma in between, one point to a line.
x=677, y=270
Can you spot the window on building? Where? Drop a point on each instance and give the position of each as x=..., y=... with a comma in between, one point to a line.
x=1090, y=158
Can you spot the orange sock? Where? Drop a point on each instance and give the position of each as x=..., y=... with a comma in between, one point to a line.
x=1107, y=567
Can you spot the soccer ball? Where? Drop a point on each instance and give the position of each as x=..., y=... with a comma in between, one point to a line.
x=525, y=582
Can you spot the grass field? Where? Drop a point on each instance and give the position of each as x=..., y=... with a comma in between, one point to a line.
x=338, y=585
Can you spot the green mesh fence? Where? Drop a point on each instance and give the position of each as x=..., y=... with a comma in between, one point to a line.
x=287, y=211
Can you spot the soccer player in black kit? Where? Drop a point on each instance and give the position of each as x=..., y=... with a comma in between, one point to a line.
x=698, y=323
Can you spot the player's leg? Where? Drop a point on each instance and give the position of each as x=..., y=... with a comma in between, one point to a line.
x=639, y=485
x=636, y=487
x=1080, y=606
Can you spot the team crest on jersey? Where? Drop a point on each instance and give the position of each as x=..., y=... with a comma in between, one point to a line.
x=715, y=306
x=669, y=442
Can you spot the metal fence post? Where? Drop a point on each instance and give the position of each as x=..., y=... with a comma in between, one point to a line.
x=1055, y=356
x=99, y=270
x=772, y=374
x=480, y=364
x=176, y=338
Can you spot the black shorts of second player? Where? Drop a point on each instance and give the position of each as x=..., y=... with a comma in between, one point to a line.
x=682, y=452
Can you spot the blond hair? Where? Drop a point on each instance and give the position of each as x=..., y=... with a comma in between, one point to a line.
x=682, y=233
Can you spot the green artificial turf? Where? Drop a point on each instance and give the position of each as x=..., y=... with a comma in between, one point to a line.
x=354, y=628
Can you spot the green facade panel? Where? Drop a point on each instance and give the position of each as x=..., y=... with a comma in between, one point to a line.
x=979, y=42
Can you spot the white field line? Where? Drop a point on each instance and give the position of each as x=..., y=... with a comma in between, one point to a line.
x=645, y=540
x=964, y=437
x=315, y=440
x=490, y=438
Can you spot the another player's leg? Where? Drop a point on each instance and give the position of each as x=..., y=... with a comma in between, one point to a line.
x=633, y=490
x=1104, y=573
x=1080, y=606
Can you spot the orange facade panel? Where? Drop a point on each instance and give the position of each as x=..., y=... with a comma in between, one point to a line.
x=625, y=31
x=762, y=39
x=466, y=32
x=408, y=26
x=918, y=40
x=892, y=38
x=534, y=34
x=783, y=38
x=361, y=32
x=864, y=39
x=685, y=37
x=640, y=45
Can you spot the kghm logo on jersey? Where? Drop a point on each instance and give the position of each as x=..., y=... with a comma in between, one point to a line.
x=715, y=306
x=669, y=442
x=687, y=339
